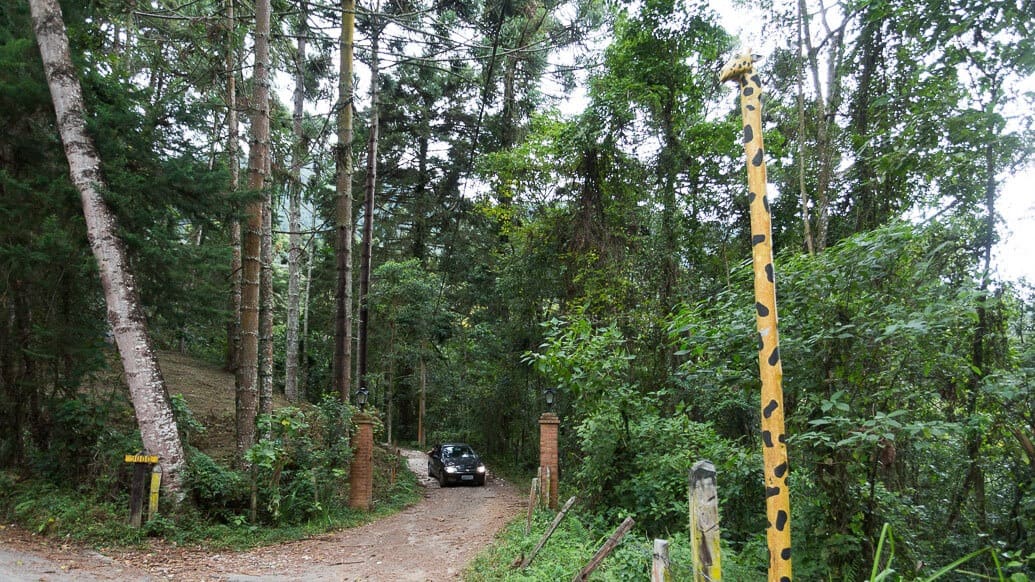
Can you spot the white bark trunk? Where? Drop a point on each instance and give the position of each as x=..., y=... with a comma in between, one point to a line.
x=125, y=314
x=294, y=220
x=266, y=310
x=342, y=365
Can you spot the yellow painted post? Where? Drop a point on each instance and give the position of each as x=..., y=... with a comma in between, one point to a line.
x=156, y=485
x=774, y=438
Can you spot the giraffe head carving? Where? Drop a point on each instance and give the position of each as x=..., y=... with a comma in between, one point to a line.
x=739, y=66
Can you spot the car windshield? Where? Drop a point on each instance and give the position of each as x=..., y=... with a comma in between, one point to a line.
x=457, y=452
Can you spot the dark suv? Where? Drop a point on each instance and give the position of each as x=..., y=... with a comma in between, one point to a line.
x=455, y=463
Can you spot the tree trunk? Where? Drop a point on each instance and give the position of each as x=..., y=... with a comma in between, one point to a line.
x=826, y=110
x=342, y=361
x=802, y=191
x=251, y=247
x=266, y=307
x=368, y=201
x=975, y=478
x=423, y=402
x=233, y=342
x=294, y=219
x=125, y=314
x=304, y=343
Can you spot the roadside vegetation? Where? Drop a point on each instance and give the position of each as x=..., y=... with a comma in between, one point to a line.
x=300, y=475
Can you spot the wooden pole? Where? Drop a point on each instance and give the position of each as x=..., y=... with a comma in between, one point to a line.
x=660, y=571
x=704, y=523
x=549, y=532
x=141, y=468
x=774, y=452
x=156, y=486
x=533, y=495
x=605, y=550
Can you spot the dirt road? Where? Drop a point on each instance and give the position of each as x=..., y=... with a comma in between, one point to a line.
x=433, y=540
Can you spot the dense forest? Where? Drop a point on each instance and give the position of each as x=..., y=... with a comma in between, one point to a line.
x=415, y=220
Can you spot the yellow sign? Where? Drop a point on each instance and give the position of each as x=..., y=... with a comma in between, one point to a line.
x=149, y=459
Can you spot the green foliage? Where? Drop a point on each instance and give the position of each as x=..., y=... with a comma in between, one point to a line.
x=217, y=491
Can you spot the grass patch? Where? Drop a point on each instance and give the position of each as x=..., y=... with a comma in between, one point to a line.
x=573, y=544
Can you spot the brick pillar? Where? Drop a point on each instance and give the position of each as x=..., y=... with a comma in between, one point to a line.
x=361, y=481
x=548, y=425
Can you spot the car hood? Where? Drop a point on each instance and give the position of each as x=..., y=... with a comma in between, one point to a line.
x=466, y=463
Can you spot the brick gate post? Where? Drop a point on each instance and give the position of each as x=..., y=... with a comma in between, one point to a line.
x=548, y=425
x=361, y=481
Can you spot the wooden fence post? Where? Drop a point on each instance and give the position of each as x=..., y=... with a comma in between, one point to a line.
x=659, y=571
x=704, y=523
x=549, y=532
x=605, y=550
x=533, y=495
x=141, y=470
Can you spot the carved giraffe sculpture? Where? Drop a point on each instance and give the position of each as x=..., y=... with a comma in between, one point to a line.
x=777, y=498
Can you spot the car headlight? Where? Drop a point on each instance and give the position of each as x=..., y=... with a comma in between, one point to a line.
x=481, y=468
x=450, y=469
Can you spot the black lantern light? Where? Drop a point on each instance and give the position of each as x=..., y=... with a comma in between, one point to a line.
x=549, y=395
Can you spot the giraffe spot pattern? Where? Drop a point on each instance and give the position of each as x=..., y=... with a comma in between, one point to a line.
x=782, y=438
x=780, y=470
x=785, y=579
x=751, y=197
x=785, y=553
x=751, y=107
x=761, y=342
x=749, y=91
x=770, y=408
x=749, y=134
x=769, y=274
x=772, y=491
x=757, y=239
x=774, y=358
x=756, y=80
x=767, y=438
x=757, y=160
x=765, y=203
x=781, y=520
x=762, y=310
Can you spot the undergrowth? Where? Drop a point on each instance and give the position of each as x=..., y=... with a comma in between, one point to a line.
x=300, y=486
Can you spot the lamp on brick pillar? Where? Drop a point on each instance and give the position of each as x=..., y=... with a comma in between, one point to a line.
x=361, y=480
x=548, y=458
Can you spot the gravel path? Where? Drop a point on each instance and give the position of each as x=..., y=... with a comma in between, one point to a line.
x=433, y=540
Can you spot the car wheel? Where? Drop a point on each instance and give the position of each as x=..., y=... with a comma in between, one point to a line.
x=430, y=473
x=442, y=479
x=481, y=481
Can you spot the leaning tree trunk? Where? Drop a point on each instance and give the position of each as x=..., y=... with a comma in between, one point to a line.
x=342, y=362
x=125, y=315
x=247, y=391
